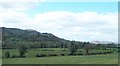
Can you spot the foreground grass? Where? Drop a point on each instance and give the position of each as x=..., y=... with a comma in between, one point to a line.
x=86, y=59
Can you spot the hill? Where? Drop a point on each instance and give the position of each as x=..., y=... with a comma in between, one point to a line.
x=12, y=37
x=14, y=34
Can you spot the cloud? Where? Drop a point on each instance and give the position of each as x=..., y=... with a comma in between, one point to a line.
x=18, y=5
x=9, y=1
x=64, y=24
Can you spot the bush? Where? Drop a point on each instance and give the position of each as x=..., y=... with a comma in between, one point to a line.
x=72, y=54
x=93, y=53
x=80, y=51
x=99, y=53
x=88, y=54
x=41, y=55
x=62, y=54
x=96, y=53
x=14, y=56
x=52, y=54
x=80, y=54
x=64, y=50
x=7, y=54
x=44, y=50
x=51, y=50
x=69, y=54
x=47, y=50
x=107, y=52
x=22, y=56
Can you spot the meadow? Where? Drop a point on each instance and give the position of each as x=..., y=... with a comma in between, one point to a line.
x=31, y=58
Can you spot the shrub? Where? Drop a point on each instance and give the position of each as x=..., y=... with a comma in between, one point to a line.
x=52, y=50
x=41, y=55
x=22, y=56
x=107, y=52
x=14, y=56
x=47, y=50
x=7, y=54
x=37, y=55
x=44, y=50
x=100, y=53
x=80, y=54
x=52, y=54
x=93, y=53
x=88, y=54
x=55, y=54
x=69, y=54
x=62, y=54
x=72, y=54
x=64, y=50
x=2, y=57
x=80, y=51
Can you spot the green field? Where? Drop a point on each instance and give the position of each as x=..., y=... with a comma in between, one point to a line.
x=88, y=59
x=32, y=52
x=79, y=59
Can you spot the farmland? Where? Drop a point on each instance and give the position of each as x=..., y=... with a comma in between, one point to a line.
x=75, y=59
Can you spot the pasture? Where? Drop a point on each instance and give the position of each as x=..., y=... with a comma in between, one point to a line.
x=89, y=59
x=31, y=58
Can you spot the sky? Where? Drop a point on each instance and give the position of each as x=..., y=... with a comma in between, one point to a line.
x=80, y=21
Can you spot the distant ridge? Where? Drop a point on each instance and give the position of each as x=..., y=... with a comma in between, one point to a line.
x=102, y=42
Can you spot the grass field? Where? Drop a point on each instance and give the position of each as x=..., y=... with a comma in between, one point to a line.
x=79, y=59
x=58, y=51
x=87, y=59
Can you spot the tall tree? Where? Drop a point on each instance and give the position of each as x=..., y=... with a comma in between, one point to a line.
x=22, y=50
x=87, y=47
x=72, y=48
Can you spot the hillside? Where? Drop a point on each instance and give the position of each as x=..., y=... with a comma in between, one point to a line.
x=14, y=36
